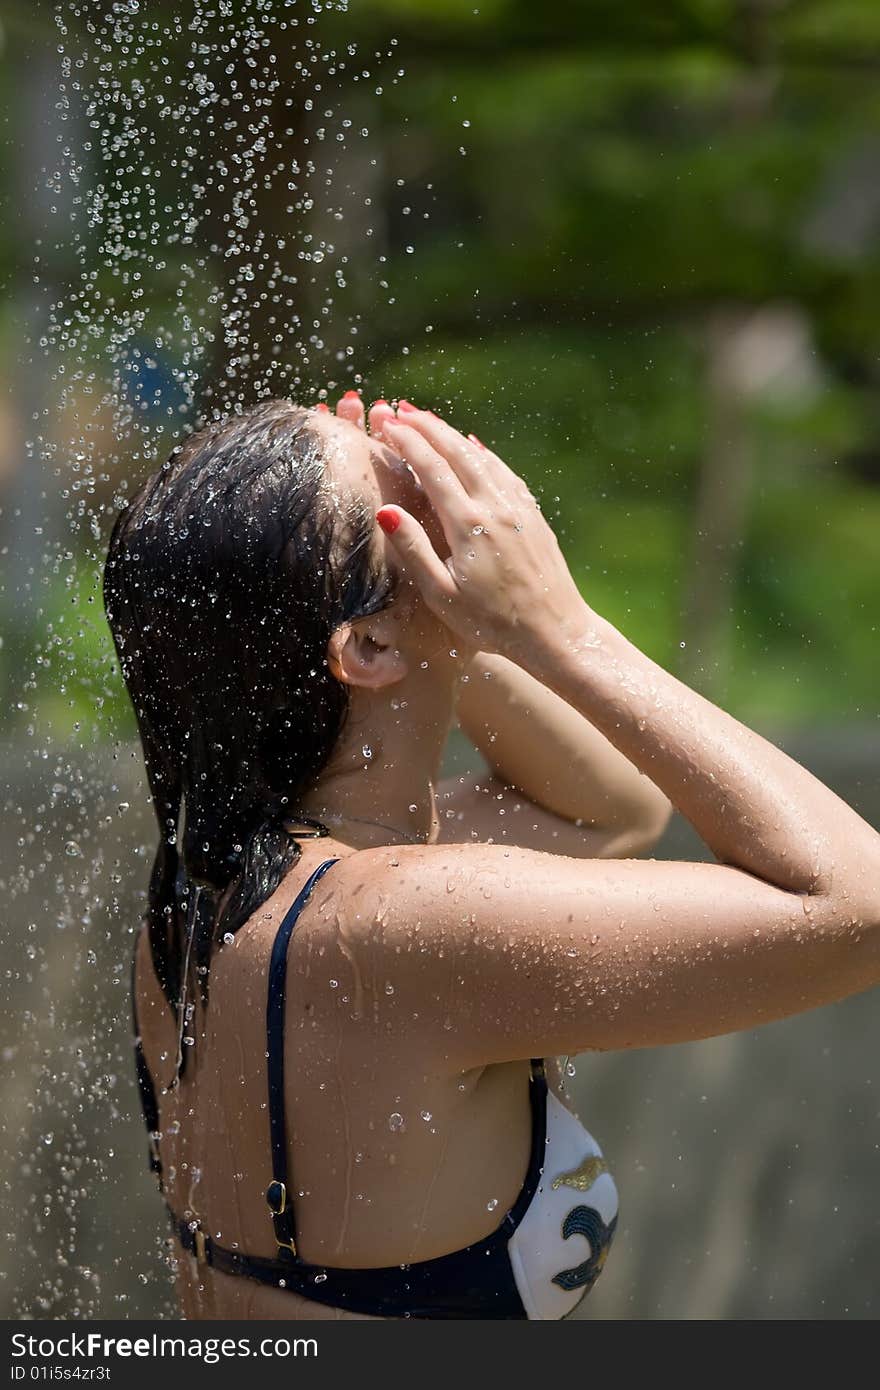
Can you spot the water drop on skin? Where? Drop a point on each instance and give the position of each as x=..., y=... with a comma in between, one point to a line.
x=492, y=1204
x=396, y=1123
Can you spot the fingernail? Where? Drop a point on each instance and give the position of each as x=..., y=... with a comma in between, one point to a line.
x=388, y=519
x=406, y=405
x=351, y=396
x=380, y=401
x=474, y=440
x=322, y=406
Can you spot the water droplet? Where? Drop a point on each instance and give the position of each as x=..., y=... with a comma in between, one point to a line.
x=389, y=989
x=492, y=1204
x=396, y=1122
x=72, y=850
x=367, y=751
x=228, y=938
x=426, y=1116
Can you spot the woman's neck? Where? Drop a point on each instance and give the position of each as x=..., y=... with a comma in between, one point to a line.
x=381, y=778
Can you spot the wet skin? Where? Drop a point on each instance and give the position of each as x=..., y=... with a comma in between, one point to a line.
x=215, y=1124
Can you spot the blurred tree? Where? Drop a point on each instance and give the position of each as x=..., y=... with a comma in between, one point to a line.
x=582, y=229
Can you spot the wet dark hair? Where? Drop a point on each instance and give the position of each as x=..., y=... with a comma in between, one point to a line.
x=226, y=575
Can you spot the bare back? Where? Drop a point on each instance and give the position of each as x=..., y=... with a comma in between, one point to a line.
x=395, y=1156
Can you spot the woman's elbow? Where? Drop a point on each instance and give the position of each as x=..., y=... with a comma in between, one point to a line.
x=648, y=821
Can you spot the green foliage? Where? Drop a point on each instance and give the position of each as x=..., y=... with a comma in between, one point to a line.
x=585, y=189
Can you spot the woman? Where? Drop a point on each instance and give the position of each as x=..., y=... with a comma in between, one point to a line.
x=351, y=975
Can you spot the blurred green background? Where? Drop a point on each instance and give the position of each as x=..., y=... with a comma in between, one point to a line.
x=636, y=249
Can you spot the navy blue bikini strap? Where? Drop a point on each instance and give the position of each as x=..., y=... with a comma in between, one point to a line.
x=278, y=1193
x=146, y=1089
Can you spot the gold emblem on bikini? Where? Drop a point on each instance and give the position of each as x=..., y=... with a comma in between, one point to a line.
x=583, y=1176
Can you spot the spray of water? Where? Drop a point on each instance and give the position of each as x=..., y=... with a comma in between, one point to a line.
x=211, y=186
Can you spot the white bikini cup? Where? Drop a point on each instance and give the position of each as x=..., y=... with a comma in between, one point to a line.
x=559, y=1247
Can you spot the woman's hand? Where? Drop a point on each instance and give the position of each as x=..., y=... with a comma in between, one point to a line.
x=350, y=407
x=506, y=582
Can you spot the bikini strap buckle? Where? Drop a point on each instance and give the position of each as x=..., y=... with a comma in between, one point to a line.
x=276, y=1197
x=276, y=1200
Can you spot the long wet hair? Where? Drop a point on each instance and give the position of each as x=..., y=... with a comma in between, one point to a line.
x=226, y=575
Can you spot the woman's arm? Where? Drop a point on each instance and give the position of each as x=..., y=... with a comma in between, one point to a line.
x=512, y=953
x=539, y=747
x=500, y=953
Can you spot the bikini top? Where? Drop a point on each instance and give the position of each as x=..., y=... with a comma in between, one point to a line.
x=525, y=1268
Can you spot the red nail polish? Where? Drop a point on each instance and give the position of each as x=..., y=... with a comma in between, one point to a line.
x=406, y=405
x=389, y=520
x=351, y=396
x=380, y=401
x=474, y=440
x=322, y=406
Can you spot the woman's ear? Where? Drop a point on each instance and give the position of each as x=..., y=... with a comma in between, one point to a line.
x=363, y=653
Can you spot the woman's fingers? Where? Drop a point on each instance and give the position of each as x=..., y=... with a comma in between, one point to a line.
x=419, y=560
x=351, y=407
x=468, y=460
x=449, y=499
x=378, y=414
x=480, y=470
